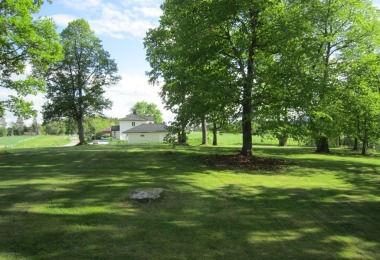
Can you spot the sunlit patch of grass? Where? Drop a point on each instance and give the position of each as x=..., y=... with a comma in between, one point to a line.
x=44, y=141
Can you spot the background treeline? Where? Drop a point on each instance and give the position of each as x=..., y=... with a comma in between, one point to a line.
x=92, y=127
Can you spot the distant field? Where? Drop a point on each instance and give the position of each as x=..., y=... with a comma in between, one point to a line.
x=195, y=138
x=33, y=141
x=13, y=140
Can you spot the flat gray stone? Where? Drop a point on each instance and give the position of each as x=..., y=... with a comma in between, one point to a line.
x=145, y=195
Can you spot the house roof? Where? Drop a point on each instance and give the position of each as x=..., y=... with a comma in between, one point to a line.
x=148, y=128
x=135, y=117
x=115, y=128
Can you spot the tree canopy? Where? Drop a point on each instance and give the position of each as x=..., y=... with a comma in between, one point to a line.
x=75, y=85
x=25, y=41
x=144, y=108
x=281, y=64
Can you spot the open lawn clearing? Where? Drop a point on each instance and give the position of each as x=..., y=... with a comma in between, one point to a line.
x=73, y=203
x=13, y=140
x=195, y=138
x=39, y=141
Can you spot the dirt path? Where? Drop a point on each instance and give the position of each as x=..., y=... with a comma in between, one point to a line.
x=73, y=142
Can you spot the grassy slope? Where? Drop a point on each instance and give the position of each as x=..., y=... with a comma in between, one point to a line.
x=72, y=203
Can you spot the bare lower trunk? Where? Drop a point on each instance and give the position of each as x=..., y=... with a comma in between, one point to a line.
x=283, y=140
x=82, y=141
x=183, y=138
x=322, y=145
x=215, y=135
x=364, y=149
x=356, y=144
x=246, y=124
x=365, y=139
x=247, y=139
x=204, y=131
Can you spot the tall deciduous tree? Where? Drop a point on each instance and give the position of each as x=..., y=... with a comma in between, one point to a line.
x=144, y=108
x=24, y=41
x=334, y=28
x=77, y=83
x=229, y=37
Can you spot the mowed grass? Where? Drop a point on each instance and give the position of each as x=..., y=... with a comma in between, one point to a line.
x=12, y=140
x=228, y=139
x=33, y=141
x=73, y=203
x=44, y=141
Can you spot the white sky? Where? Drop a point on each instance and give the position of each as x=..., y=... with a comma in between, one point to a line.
x=121, y=25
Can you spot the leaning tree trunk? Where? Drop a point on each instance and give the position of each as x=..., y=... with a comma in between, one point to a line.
x=204, y=131
x=322, y=145
x=82, y=141
x=215, y=135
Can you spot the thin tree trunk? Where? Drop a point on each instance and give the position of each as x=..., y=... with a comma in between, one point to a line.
x=204, y=131
x=365, y=138
x=215, y=135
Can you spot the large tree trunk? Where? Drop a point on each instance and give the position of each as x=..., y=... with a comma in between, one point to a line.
x=247, y=106
x=247, y=126
x=204, y=131
x=283, y=140
x=82, y=141
x=183, y=139
x=364, y=148
x=215, y=135
x=322, y=145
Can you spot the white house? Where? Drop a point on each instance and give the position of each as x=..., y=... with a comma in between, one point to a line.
x=138, y=129
x=131, y=121
x=146, y=133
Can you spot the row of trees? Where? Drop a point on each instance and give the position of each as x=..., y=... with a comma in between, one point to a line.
x=92, y=127
x=306, y=69
x=19, y=127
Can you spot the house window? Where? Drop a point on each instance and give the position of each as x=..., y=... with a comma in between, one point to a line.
x=133, y=123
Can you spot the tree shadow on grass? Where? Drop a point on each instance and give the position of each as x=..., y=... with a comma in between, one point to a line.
x=75, y=203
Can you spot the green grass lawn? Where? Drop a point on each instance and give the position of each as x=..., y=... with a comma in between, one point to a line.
x=73, y=203
x=33, y=141
x=45, y=141
x=195, y=138
x=12, y=140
